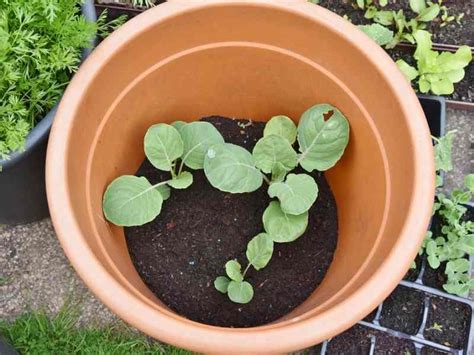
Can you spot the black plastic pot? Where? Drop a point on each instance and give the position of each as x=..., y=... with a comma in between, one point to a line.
x=22, y=184
x=435, y=112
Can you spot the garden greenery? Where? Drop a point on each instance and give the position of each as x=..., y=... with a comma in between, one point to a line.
x=40, y=49
x=322, y=135
x=435, y=72
x=454, y=241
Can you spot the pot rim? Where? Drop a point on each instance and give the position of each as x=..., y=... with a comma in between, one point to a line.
x=289, y=335
x=40, y=132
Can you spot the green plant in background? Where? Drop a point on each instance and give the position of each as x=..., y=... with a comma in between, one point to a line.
x=397, y=20
x=133, y=201
x=456, y=239
x=40, y=49
x=322, y=134
x=37, y=334
x=435, y=72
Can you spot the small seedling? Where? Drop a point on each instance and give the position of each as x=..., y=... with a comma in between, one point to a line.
x=322, y=134
x=435, y=72
x=437, y=327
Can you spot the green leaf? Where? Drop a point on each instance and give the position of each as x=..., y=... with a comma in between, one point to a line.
x=221, y=284
x=433, y=261
x=442, y=87
x=182, y=181
x=271, y=150
x=131, y=201
x=448, y=61
x=429, y=14
x=297, y=194
x=179, y=125
x=240, y=292
x=458, y=266
x=370, y=13
x=278, y=173
x=410, y=72
x=281, y=126
x=283, y=227
x=231, y=168
x=260, y=250
x=383, y=3
x=165, y=191
x=384, y=18
x=443, y=152
x=423, y=44
x=163, y=145
x=322, y=141
x=417, y=5
x=469, y=182
x=197, y=138
x=233, y=270
x=380, y=34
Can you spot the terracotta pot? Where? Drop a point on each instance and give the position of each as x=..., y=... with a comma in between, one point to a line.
x=22, y=180
x=188, y=59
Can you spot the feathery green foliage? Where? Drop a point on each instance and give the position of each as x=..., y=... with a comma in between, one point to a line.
x=40, y=49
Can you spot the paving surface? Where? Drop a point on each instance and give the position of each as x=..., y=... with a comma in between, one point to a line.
x=35, y=274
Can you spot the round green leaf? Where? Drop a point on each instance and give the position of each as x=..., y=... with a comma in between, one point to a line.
x=283, y=227
x=182, y=181
x=240, y=292
x=165, y=191
x=163, y=145
x=179, y=125
x=131, y=201
x=231, y=168
x=260, y=250
x=322, y=141
x=281, y=126
x=233, y=270
x=271, y=150
x=297, y=194
x=197, y=138
x=221, y=284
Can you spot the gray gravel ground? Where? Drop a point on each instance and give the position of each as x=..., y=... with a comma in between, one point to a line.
x=35, y=274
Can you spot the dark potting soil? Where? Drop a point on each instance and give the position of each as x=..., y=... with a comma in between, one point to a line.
x=358, y=339
x=181, y=252
x=412, y=274
x=403, y=310
x=452, y=33
x=448, y=322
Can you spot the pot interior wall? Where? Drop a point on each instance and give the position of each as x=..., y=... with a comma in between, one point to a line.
x=226, y=64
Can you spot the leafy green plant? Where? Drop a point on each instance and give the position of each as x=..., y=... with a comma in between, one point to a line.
x=40, y=49
x=403, y=28
x=322, y=134
x=456, y=239
x=435, y=72
x=133, y=201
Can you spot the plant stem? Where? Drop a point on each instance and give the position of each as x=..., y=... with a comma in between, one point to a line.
x=266, y=179
x=246, y=269
x=173, y=167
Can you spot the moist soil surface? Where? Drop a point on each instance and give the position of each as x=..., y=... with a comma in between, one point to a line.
x=403, y=310
x=359, y=340
x=181, y=252
x=448, y=322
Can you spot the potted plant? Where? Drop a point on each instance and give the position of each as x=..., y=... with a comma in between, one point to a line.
x=220, y=58
x=40, y=48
